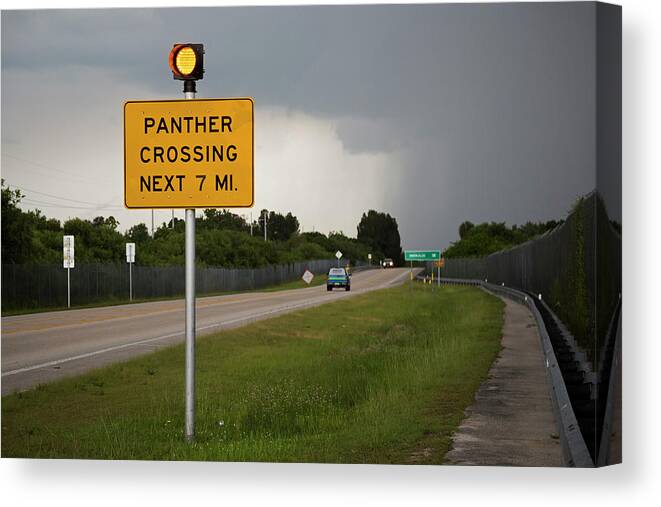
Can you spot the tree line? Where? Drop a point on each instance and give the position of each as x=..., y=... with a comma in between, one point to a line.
x=489, y=237
x=222, y=239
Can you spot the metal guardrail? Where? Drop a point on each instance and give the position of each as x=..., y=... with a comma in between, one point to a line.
x=605, y=444
x=574, y=450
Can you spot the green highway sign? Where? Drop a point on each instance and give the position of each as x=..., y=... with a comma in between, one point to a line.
x=422, y=255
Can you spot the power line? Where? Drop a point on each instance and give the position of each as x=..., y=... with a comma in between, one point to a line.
x=60, y=205
x=49, y=170
x=53, y=196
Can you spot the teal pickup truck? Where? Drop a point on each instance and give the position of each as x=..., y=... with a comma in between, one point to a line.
x=338, y=277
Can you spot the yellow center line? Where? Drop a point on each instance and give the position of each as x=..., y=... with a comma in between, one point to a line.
x=131, y=313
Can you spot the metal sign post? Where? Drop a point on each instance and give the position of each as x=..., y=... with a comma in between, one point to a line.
x=421, y=256
x=130, y=259
x=440, y=264
x=69, y=262
x=189, y=94
x=338, y=254
x=161, y=139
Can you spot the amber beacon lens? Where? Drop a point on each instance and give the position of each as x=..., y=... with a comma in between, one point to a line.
x=186, y=61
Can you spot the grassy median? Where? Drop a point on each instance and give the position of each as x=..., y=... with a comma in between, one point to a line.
x=378, y=378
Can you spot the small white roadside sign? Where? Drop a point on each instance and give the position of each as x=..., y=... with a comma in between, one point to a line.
x=307, y=276
x=130, y=252
x=130, y=258
x=338, y=254
x=69, y=263
x=68, y=251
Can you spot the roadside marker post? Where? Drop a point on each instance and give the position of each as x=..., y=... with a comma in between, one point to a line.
x=265, y=218
x=421, y=256
x=69, y=262
x=188, y=154
x=338, y=254
x=130, y=259
x=441, y=264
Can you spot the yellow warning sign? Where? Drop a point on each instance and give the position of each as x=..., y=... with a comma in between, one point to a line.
x=189, y=153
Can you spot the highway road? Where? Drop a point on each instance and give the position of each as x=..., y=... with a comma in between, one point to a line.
x=44, y=347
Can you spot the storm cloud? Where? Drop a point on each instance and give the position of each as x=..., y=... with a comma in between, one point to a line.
x=433, y=113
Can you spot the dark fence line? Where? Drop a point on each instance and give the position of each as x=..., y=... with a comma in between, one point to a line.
x=576, y=267
x=43, y=286
x=577, y=270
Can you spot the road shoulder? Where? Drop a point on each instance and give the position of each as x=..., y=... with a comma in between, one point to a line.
x=511, y=421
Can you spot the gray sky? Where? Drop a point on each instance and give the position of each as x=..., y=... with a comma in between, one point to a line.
x=436, y=114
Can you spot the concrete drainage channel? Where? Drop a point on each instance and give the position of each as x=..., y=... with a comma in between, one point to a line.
x=572, y=386
x=576, y=372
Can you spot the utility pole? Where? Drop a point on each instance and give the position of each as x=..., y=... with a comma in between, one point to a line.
x=251, y=223
x=152, y=223
x=265, y=220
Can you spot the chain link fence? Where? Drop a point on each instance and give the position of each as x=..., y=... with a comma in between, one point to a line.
x=576, y=268
x=43, y=286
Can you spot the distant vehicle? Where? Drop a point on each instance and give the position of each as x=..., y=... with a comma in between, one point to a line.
x=388, y=263
x=338, y=277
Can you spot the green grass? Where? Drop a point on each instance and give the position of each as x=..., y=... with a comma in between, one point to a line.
x=296, y=284
x=382, y=377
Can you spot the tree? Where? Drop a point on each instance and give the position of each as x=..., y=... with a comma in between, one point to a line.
x=464, y=228
x=138, y=233
x=281, y=227
x=224, y=220
x=380, y=232
x=96, y=241
x=16, y=228
x=223, y=239
x=488, y=237
x=352, y=249
x=110, y=222
x=278, y=227
x=318, y=238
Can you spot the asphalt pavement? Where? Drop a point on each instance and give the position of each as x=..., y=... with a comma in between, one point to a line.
x=43, y=347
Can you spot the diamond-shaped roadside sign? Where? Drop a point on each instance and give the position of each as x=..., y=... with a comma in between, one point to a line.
x=338, y=254
x=307, y=276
